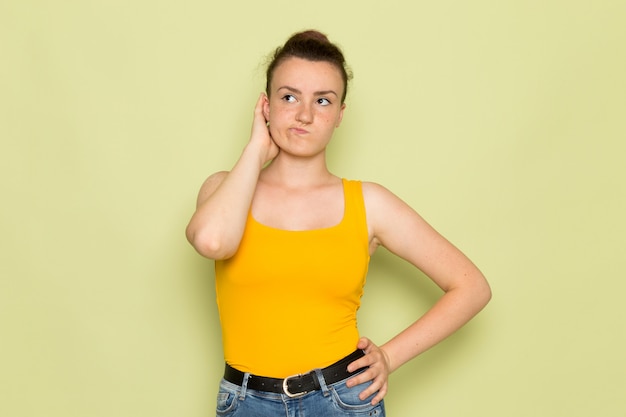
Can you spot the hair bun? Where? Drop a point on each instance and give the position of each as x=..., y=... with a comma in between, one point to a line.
x=310, y=35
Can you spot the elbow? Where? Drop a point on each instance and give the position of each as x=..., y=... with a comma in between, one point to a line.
x=476, y=290
x=208, y=245
x=483, y=293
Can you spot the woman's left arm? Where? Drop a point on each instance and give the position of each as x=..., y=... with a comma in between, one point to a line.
x=396, y=226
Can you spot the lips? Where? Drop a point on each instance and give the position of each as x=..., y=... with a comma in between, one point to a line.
x=299, y=131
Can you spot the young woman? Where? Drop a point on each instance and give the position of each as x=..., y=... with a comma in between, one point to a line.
x=292, y=244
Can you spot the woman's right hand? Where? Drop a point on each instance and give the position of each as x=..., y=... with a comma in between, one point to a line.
x=260, y=137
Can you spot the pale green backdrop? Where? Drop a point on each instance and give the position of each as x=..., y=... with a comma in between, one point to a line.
x=502, y=122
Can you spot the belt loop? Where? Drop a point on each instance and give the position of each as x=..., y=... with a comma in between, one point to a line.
x=322, y=382
x=244, y=386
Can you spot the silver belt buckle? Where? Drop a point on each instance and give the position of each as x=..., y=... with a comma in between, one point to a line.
x=286, y=388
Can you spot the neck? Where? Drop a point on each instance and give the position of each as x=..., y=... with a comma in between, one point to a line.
x=297, y=172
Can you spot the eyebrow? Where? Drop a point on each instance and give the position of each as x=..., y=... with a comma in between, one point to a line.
x=317, y=93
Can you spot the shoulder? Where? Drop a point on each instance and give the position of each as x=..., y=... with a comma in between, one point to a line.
x=381, y=204
x=371, y=190
x=210, y=185
x=390, y=219
x=377, y=196
x=383, y=208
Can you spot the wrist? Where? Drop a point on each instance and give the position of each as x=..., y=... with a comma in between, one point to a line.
x=391, y=364
x=255, y=154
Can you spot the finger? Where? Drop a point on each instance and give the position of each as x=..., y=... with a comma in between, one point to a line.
x=356, y=380
x=381, y=394
x=371, y=358
x=374, y=389
x=259, y=105
x=259, y=123
x=365, y=376
x=358, y=364
x=258, y=108
x=363, y=343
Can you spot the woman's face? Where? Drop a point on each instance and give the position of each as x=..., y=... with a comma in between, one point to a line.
x=304, y=105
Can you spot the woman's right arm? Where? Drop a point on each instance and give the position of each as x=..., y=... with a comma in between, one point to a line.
x=216, y=227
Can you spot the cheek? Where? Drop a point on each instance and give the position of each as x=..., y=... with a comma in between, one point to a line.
x=278, y=115
x=330, y=120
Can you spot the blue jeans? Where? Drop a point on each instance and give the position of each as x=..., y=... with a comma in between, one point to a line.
x=334, y=400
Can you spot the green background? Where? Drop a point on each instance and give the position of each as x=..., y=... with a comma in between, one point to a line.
x=502, y=122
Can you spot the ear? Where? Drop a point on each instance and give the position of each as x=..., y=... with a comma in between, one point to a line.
x=340, y=117
x=266, y=107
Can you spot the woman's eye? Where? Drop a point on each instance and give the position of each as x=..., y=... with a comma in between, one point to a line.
x=323, y=101
x=289, y=98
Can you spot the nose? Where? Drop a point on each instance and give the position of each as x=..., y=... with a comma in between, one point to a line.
x=305, y=113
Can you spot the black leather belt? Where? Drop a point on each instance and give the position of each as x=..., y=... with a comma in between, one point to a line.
x=296, y=385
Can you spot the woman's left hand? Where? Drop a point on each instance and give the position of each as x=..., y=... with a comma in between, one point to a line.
x=378, y=372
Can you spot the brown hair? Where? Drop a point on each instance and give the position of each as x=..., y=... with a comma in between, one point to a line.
x=313, y=46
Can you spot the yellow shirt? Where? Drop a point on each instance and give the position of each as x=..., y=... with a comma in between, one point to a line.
x=288, y=299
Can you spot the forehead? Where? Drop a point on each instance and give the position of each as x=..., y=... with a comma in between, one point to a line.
x=306, y=75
